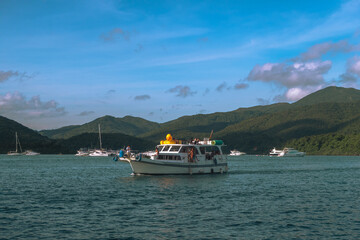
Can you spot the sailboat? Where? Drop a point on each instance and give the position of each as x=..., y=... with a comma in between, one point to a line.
x=99, y=152
x=17, y=147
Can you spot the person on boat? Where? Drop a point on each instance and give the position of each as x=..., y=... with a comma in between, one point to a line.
x=128, y=149
x=157, y=151
x=121, y=153
x=191, y=155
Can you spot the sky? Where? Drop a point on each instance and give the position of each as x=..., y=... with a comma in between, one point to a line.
x=69, y=62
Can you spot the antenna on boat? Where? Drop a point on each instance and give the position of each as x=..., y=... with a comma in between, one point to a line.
x=212, y=131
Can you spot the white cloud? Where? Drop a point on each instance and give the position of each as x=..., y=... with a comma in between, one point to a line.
x=294, y=94
x=354, y=65
x=182, y=91
x=239, y=86
x=291, y=75
x=142, y=97
x=115, y=34
x=318, y=50
x=221, y=87
x=16, y=104
x=6, y=75
x=86, y=113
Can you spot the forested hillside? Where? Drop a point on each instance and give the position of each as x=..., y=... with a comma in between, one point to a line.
x=128, y=125
x=325, y=122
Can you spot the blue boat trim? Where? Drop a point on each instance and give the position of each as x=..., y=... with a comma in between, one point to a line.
x=186, y=166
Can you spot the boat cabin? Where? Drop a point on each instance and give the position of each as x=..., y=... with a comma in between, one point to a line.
x=187, y=153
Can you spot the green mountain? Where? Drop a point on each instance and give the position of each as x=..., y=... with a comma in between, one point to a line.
x=29, y=139
x=262, y=133
x=328, y=144
x=257, y=129
x=201, y=125
x=325, y=122
x=113, y=141
x=128, y=125
x=330, y=94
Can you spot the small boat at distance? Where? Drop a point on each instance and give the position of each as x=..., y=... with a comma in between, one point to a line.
x=274, y=152
x=31, y=153
x=236, y=153
x=17, y=147
x=180, y=157
x=291, y=152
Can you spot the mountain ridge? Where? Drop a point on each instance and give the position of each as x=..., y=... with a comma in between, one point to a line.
x=333, y=110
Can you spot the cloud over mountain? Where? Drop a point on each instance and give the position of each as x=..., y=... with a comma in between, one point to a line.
x=16, y=104
x=291, y=75
x=86, y=113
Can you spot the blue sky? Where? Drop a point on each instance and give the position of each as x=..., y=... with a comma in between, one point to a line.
x=69, y=62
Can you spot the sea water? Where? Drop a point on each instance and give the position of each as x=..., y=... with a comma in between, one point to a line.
x=68, y=197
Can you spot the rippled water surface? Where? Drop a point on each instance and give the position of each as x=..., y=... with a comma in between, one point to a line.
x=67, y=197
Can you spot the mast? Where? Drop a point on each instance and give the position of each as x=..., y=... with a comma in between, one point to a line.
x=16, y=142
x=100, y=137
x=212, y=131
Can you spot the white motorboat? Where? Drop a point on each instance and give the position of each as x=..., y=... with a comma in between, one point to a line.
x=236, y=153
x=275, y=152
x=98, y=153
x=82, y=152
x=178, y=157
x=31, y=153
x=291, y=152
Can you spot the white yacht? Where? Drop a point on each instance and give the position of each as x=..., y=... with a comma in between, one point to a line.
x=236, y=153
x=178, y=157
x=82, y=152
x=291, y=152
x=31, y=153
x=274, y=152
x=98, y=153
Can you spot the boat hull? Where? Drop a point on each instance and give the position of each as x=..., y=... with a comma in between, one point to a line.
x=153, y=167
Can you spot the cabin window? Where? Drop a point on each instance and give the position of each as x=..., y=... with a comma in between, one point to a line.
x=187, y=150
x=213, y=149
x=169, y=157
x=159, y=148
x=202, y=150
x=166, y=148
x=174, y=148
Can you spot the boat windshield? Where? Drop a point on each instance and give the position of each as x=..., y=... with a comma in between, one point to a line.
x=174, y=148
x=166, y=148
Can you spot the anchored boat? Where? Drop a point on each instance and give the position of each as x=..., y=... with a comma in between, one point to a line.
x=290, y=152
x=178, y=157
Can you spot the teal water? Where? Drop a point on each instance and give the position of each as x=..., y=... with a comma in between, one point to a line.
x=67, y=197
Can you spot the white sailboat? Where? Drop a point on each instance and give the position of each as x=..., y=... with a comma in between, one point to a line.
x=99, y=152
x=17, y=147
